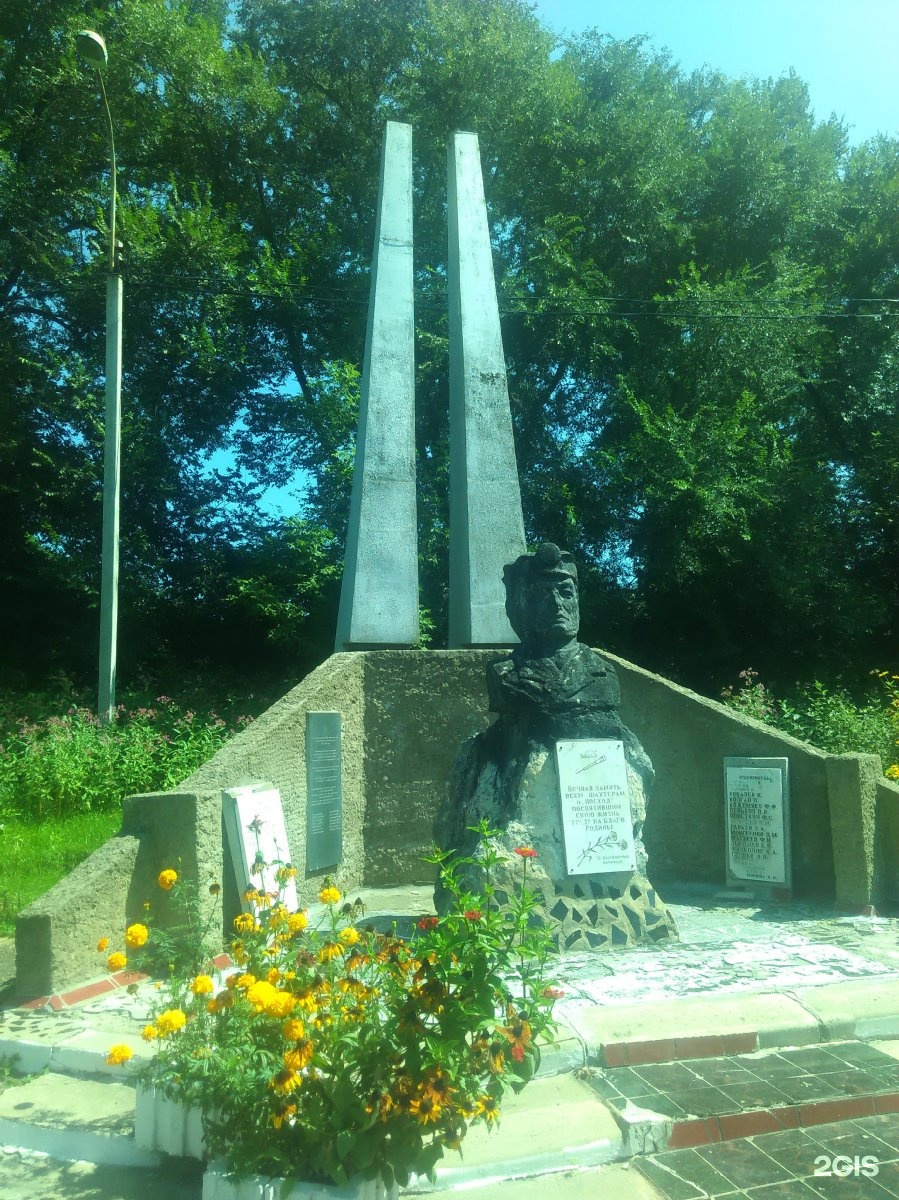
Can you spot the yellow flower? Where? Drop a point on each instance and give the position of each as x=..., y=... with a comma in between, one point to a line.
x=202, y=985
x=261, y=994
x=487, y=1108
x=116, y=961
x=136, y=936
x=103, y=944
x=150, y=1033
x=425, y=1110
x=277, y=917
x=118, y=1055
x=243, y=981
x=330, y=950
x=349, y=936
x=293, y=1030
x=273, y=975
x=285, y=1114
x=281, y=1005
x=251, y=895
x=297, y=922
x=245, y=923
x=285, y=1082
x=892, y=772
x=301, y=1054
x=167, y=879
x=329, y=895
x=170, y=1021
x=285, y=874
x=212, y=1006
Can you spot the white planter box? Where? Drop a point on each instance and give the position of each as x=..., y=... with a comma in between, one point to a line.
x=166, y=1126
x=216, y=1186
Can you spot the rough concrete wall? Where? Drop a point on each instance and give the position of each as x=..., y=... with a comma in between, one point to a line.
x=852, y=800
x=886, y=843
x=57, y=935
x=273, y=750
x=420, y=707
x=687, y=736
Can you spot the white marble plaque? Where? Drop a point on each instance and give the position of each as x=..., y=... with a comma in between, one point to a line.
x=255, y=830
x=596, y=807
x=756, y=820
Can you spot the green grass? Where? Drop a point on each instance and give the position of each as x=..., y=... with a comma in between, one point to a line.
x=36, y=856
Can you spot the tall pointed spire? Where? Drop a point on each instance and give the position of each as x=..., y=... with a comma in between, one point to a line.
x=379, y=594
x=486, y=525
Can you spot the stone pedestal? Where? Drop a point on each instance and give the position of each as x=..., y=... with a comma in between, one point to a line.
x=512, y=782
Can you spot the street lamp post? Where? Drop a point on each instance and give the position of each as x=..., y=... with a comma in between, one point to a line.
x=92, y=49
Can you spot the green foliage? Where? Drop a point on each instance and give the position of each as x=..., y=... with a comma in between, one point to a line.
x=698, y=283
x=66, y=765
x=333, y=1052
x=828, y=718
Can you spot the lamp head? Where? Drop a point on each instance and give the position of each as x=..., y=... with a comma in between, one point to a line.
x=91, y=47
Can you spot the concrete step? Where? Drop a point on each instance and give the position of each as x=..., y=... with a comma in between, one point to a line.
x=73, y=1119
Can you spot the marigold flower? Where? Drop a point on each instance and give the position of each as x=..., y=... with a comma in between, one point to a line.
x=150, y=1033
x=167, y=879
x=212, y=1006
x=297, y=922
x=118, y=1055
x=349, y=936
x=329, y=895
x=293, y=1030
x=273, y=975
x=525, y=852
x=892, y=772
x=136, y=936
x=103, y=943
x=281, y=1005
x=260, y=994
x=428, y=922
x=116, y=961
x=170, y=1021
x=202, y=985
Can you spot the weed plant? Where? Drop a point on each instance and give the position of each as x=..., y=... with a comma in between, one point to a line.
x=828, y=718
x=70, y=765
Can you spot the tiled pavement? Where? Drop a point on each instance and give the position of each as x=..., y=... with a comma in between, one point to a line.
x=851, y=1160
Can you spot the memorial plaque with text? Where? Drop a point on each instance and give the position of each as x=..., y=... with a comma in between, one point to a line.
x=757, y=820
x=596, y=808
x=324, y=798
x=255, y=832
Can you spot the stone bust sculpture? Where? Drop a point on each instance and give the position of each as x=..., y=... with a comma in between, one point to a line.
x=553, y=685
x=550, y=688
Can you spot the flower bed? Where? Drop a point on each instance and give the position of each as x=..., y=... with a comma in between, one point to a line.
x=337, y=1053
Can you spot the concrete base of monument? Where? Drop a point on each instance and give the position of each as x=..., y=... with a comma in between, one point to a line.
x=597, y=910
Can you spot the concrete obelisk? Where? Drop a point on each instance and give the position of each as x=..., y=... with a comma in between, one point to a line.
x=486, y=526
x=379, y=594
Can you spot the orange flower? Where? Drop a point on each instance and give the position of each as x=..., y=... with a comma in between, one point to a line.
x=116, y=961
x=119, y=1055
x=136, y=936
x=103, y=944
x=525, y=852
x=167, y=879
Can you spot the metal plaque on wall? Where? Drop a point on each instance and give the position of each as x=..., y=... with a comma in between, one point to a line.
x=324, y=800
x=757, y=821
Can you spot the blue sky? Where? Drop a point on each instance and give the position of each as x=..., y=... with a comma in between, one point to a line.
x=847, y=51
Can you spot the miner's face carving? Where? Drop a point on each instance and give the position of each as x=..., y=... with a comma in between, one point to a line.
x=546, y=611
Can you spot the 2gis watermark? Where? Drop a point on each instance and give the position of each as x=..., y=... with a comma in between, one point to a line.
x=845, y=1166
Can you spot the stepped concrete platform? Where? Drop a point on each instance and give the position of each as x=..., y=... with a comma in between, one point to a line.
x=731, y=1063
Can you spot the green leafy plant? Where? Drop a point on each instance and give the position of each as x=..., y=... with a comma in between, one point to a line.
x=59, y=766
x=828, y=718
x=334, y=1051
